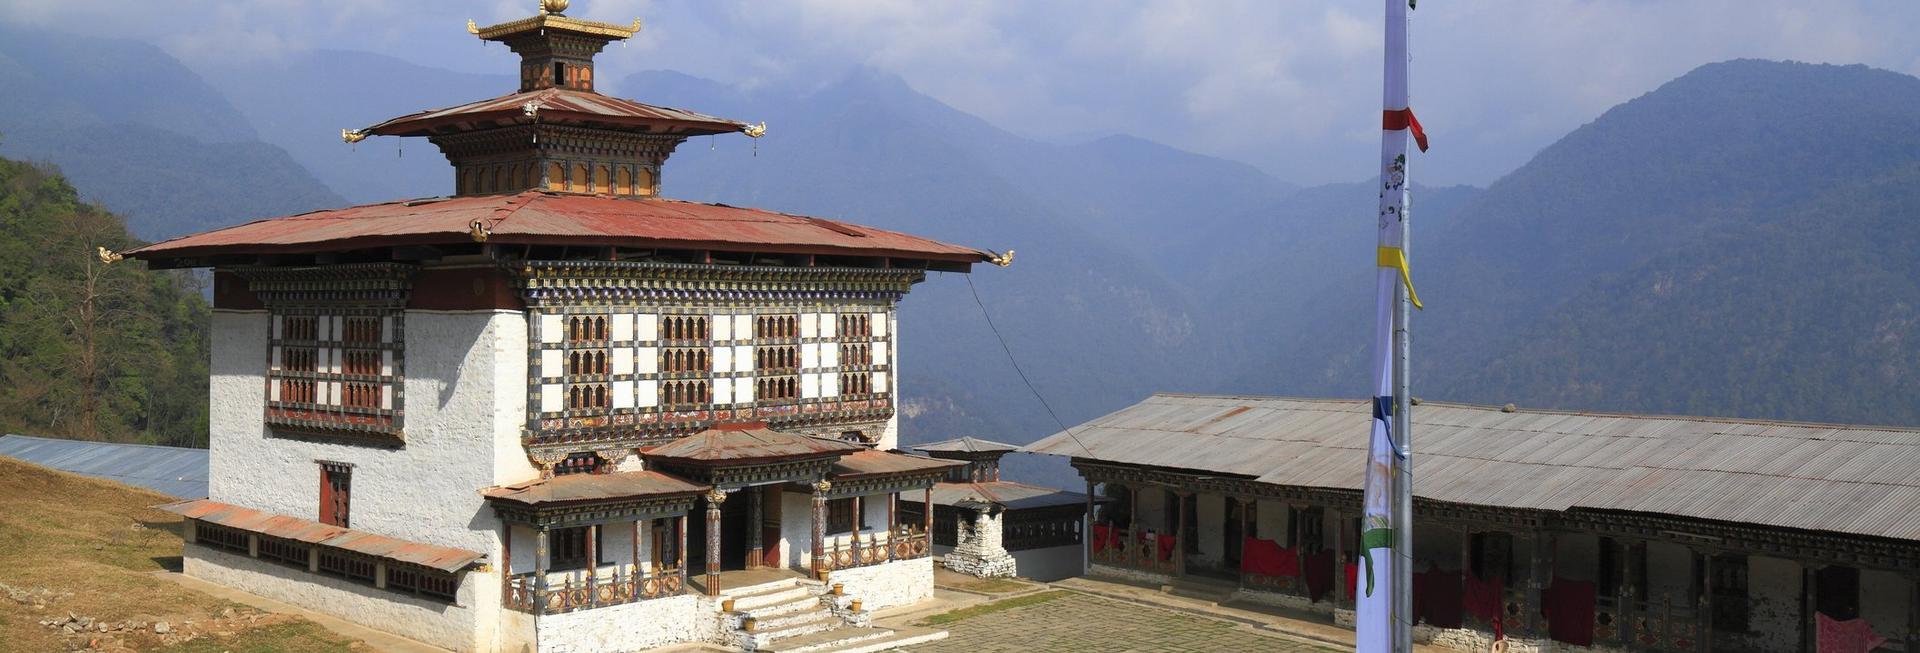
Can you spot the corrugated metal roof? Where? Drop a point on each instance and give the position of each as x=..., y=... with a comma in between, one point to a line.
x=730, y=444
x=1861, y=480
x=592, y=487
x=968, y=444
x=432, y=556
x=560, y=105
x=173, y=471
x=880, y=463
x=550, y=218
x=1014, y=495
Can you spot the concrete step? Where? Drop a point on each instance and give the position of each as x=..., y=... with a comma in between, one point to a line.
x=900, y=638
x=843, y=638
x=802, y=603
x=763, y=596
x=794, y=624
x=1202, y=589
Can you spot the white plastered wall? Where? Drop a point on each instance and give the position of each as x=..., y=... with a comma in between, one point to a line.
x=450, y=626
x=1774, y=591
x=1669, y=571
x=1884, y=597
x=465, y=402
x=1211, y=523
x=796, y=529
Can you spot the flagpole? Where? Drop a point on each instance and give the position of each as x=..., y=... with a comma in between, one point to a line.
x=1385, y=608
x=1396, y=90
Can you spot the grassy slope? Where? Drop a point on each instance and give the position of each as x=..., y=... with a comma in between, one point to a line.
x=90, y=547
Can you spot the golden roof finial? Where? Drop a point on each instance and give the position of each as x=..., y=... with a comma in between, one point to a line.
x=553, y=6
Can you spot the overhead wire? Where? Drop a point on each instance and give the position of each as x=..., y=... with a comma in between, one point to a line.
x=1016, y=367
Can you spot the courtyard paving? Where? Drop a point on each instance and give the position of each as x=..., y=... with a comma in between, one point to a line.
x=1076, y=622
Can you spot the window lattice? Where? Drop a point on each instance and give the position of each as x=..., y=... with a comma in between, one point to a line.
x=332, y=372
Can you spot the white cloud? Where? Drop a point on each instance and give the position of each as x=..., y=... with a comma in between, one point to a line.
x=1291, y=85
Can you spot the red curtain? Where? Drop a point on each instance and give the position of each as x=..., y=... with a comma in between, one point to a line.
x=1166, y=548
x=1318, y=570
x=1483, y=598
x=1437, y=599
x=1105, y=537
x=1850, y=636
x=1568, y=605
x=1268, y=558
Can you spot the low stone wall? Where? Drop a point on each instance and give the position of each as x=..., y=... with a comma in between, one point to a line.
x=636, y=626
x=887, y=585
x=444, y=625
x=1278, y=599
x=1124, y=573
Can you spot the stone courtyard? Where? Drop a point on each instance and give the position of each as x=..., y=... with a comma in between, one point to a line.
x=1073, y=621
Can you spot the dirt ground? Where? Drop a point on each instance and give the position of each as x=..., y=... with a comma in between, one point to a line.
x=77, y=557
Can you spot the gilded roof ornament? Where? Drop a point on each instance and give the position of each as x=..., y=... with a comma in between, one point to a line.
x=471, y=27
x=353, y=135
x=1002, y=260
x=755, y=131
x=553, y=6
x=109, y=256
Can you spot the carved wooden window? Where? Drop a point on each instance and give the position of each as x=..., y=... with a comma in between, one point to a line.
x=335, y=371
x=417, y=581
x=284, y=551
x=856, y=383
x=336, y=487
x=776, y=357
x=221, y=537
x=840, y=515
x=585, y=462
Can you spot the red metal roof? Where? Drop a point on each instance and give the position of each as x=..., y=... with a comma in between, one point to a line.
x=886, y=463
x=551, y=218
x=592, y=487
x=560, y=105
x=432, y=556
x=735, y=444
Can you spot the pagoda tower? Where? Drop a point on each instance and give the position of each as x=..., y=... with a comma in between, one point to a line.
x=555, y=411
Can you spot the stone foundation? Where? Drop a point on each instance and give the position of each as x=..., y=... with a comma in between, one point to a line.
x=888, y=584
x=636, y=626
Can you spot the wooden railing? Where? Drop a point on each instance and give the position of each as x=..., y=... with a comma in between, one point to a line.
x=876, y=548
x=582, y=592
x=1141, y=552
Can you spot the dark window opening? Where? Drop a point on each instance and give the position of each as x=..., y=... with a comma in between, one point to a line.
x=1837, y=592
x=1730, y=593
x=840, y=516
x=559, y=74
x=569, y=549
x=336, y=483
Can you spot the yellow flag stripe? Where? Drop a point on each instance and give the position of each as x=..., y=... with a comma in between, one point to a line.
x=1394, y=257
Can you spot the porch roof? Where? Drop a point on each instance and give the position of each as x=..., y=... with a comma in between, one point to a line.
x=866, y=463
x=1855, y=480
x=443, y=558
x=745, y=444
x=573, y=488
x=1013, y=495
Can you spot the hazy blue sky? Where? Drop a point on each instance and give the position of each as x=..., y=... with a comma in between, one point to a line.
x=1292, y=87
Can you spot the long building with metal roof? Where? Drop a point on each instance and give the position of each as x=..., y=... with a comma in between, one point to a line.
x=173, y=471
x=1613, y=519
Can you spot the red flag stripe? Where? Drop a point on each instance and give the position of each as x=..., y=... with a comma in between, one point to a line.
x=1403, y=119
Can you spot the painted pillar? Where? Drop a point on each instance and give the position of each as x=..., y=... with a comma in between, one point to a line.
x=1913, y=614
x=820, y=489
x=1339, y=558
x=540, y=569
x=1087, y=532
x=1628, y=592
x=929, y=519
x=636, y=543
x=1133, y=526
x=1180, y=533
x=1705, y=603
x=756, y=549
x=1810, y=600
x=859, y=512
x=680, y=553
x=714, y=499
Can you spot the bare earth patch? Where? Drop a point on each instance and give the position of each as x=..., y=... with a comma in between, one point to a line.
x=76, y=562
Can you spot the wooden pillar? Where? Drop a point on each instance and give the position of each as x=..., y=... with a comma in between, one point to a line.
x=636, y=542
x=1703, y=605
x=1133, y=525
x=506, y=560
x=540, y=556
x=929, y=519
x=1810, y=598
x=714, y=499
x=1180, y=532
x=820, y=528
x=1628, y=592
x=859, y=511
x=893, y=514
x=756, y=549
x=1245, y=507
x=680, y=553
x=1340, y=558
x=1913, y=614
x=593, y=558
x=1086, y=532
x=1540, y=566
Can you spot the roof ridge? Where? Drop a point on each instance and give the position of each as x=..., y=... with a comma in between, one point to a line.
x=1567, y=412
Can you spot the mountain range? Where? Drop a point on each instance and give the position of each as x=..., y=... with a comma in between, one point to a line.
x=1658, y=259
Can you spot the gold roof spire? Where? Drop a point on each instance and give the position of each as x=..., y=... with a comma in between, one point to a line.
x=553, y=6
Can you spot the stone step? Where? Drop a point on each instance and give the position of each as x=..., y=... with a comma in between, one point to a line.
x=768, y=597
x=843, y=638
x=1203, y=589
x=900, y=638
x=779, y=623
x=801, y=604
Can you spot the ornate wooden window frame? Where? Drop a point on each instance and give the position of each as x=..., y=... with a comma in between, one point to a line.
x=358, y=319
